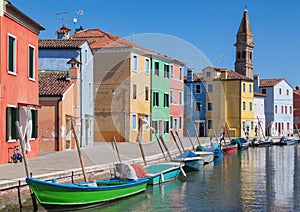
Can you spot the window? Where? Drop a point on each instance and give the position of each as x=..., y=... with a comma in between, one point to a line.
x=12, y=115
x=134, y=61
x=282, y=109
x=287, y=92
x=180, y=122
x=155, y=126
x=171, y=122
x=146, y=125
x=286, y=109
x=147, y=66
x=85, y=56
x=280, y=91
x=287, y=125
x=31, y=62
x=11, y=54
x=263, y=91
x=252, y=125
x=166, y=100
x=244, y=87
x=155, y=99
x=208, y=74
x=134, y=91
x=250, y=88
x=210, y=125
x=166, y=126
x=250, y=106
x=171, y=71
x=180, y=98
x=244, y=54
x=167, y=71
x=171, y=97
x=250, y=55
x=210, y=106
x=156, y=68
x=244, y=106
x=243, y=125
x=276, y=127
x=238, y=55
x=146, y=93
x=275, y=109
x=198, y=106
x=34, y=115
x=210, y=88
x=198, y=88
x=291, y=109
x=180, y=74
x=134, y=127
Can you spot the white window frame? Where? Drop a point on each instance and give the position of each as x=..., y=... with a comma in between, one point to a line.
x=136, y=122
x=135, y=63
x=33, y=65
x=147, y=69
x=13, y=72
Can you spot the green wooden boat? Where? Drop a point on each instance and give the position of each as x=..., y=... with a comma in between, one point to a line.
x=55, y=196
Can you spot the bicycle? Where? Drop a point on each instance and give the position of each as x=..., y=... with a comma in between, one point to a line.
x=17, y=156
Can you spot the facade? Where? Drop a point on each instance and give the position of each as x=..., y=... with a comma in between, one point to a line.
x=195, y=104
x=296, y=103
x=122, y=73
x=160, y=105
x=18, y=79
x=229, y=101
x=57, y=94
x=54, y=55
x=259, y=114
x=278, y=106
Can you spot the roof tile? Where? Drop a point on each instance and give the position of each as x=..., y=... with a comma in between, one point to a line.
x=53, y=83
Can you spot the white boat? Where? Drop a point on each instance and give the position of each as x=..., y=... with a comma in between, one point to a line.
x=208, y=157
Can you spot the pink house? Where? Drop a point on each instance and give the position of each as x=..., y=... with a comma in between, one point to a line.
x=18, y=77
x=176, y=97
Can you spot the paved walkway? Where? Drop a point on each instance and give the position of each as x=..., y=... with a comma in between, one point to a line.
x=101, y=156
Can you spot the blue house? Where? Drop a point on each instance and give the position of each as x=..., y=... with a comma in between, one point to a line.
x=194, y=104
x=55, y=55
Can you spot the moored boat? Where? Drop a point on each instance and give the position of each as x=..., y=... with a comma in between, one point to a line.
x=56, y=196
x=208, y=157
x=191, y=161
x=163, y=172
x=229, y=148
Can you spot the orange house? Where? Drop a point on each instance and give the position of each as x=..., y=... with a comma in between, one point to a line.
x=18, y=77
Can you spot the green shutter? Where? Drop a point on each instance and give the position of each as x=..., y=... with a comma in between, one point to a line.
x=31, y=59
x=8, y=125
x=14, y=118
x=11, y=54
x=34, y=123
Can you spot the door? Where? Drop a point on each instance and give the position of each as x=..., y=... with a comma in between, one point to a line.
x=68, y=133
x=201, y=129
x=175, y=125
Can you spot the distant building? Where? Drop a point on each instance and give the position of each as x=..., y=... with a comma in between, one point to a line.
x=176, y=94
x=259, y=114
x=18, y=79
x=195, y=104
x=229, y=101
x=54, y=55
x=296, y=103
x=278, y=106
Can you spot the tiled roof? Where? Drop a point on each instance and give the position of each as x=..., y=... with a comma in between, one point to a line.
x=53, y=83
x=232, y=75
x=60, y=43
x=269, y=82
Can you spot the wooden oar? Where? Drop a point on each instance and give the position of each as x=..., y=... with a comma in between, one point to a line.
x=21, y=142
x=197, y=134
x=116, y=147
x=180, y=141
x=174, y=139
x=79, y=153
x=188, y=133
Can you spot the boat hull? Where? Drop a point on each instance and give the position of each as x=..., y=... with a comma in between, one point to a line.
x=161, y=173
x=208, y=157
x=190, y=163
x=54, y=196
x=229, y=148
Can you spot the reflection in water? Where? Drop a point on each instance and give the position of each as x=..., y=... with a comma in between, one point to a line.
x=257, y=179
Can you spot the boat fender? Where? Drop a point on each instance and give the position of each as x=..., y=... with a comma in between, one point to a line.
x=183, y=172
x=53, y=180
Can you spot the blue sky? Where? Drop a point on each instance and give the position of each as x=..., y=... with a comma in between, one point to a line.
x=207, y=28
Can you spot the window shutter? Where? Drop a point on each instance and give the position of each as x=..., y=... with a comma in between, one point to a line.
x=8, y=127
x=34, y=123
x=14, y=118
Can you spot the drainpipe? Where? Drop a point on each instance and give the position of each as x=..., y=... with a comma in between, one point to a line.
x=57, y=144
x=80, y=99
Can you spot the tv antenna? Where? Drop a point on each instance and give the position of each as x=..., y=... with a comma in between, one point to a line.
x=61, y=15
x=222, y=59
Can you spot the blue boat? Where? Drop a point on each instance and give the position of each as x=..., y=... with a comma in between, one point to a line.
x=192, y=162
x=163, y=172
x=218, y=153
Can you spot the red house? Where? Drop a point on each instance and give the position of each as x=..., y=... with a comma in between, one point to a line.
x=296, y=100
x=18, y=78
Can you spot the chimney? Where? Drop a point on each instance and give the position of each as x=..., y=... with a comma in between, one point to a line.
x=256, y=83
x=190, y=75
x=297, y=88
x=63, y=33
x=74, y=69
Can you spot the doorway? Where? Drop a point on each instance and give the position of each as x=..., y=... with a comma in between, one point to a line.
x=200, y=129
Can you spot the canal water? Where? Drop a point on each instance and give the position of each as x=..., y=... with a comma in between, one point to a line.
x=257, y=179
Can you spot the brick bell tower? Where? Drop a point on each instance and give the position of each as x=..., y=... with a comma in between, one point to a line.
x=244, y=48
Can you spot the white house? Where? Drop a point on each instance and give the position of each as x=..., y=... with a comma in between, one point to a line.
x=259, y=113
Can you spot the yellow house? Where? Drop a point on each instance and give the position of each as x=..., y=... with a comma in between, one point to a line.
x=230, y=101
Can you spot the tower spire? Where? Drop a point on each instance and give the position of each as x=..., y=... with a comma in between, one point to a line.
x=244, y=47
